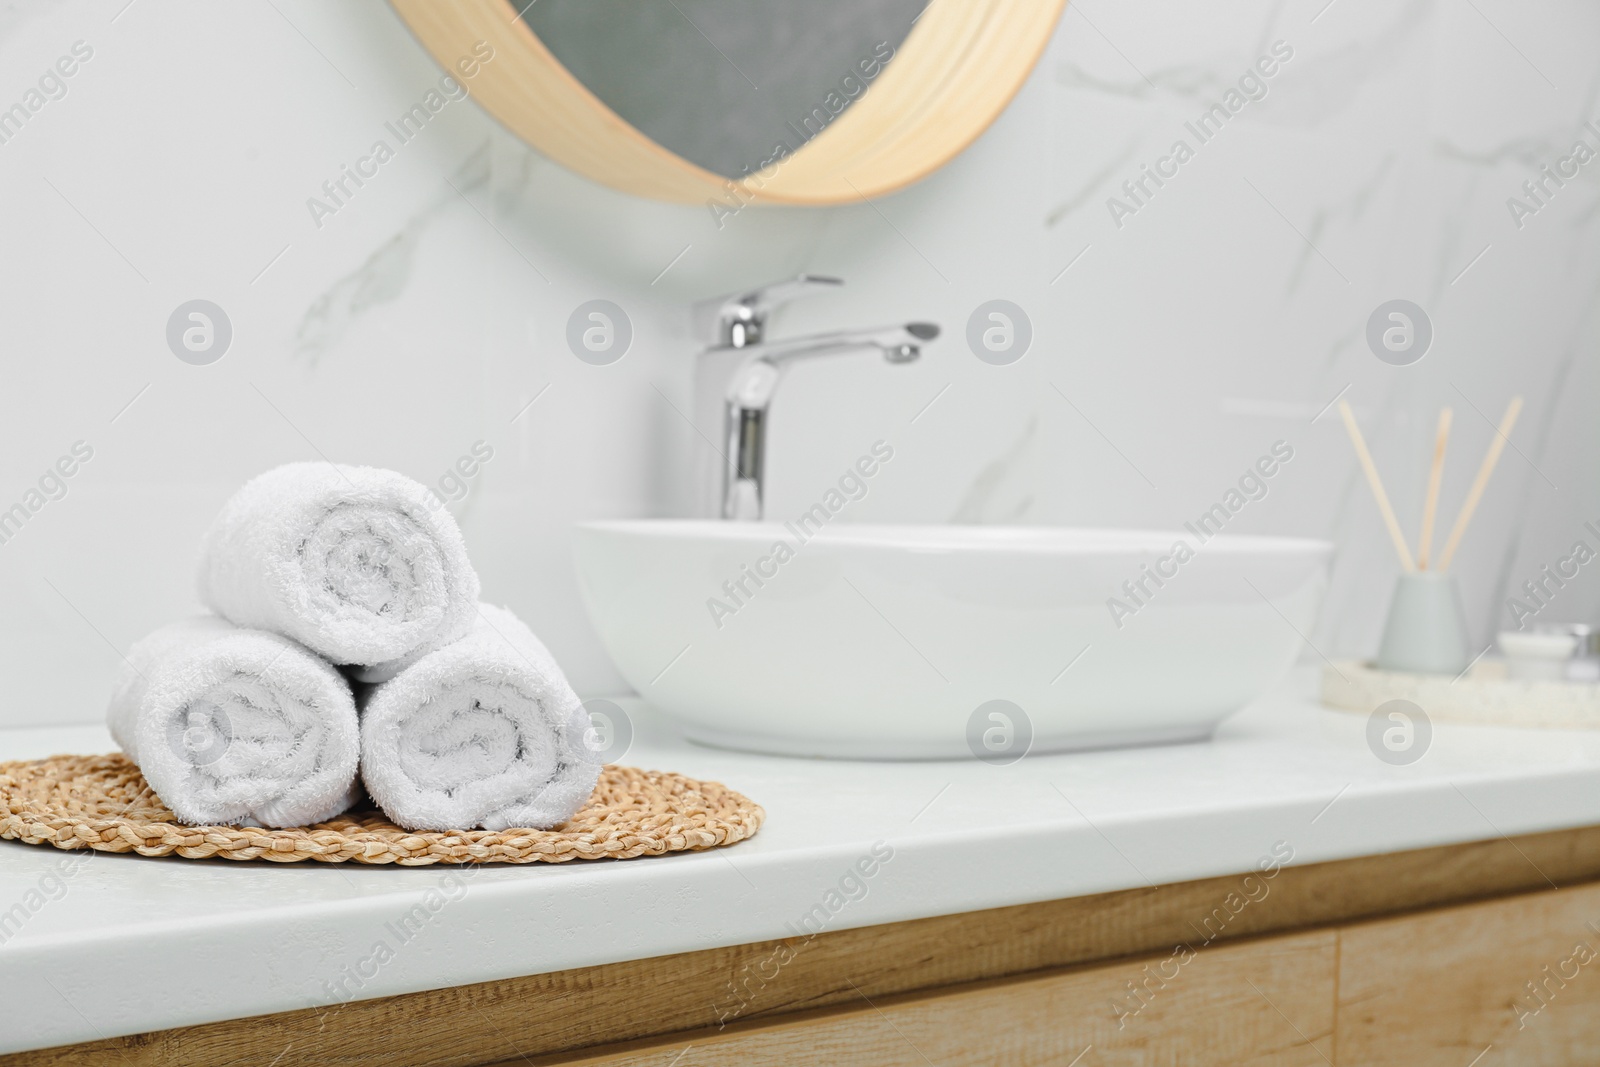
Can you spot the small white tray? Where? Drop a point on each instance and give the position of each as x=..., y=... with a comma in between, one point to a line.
x=1484, y=696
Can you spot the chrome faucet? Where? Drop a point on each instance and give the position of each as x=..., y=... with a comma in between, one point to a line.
x=741, y=369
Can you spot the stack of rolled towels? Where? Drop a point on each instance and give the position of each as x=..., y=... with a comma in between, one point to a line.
x=348, y=647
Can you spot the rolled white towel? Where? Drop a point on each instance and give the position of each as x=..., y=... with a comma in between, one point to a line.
x=352, y=562
x=485, y=732
x=236, y=726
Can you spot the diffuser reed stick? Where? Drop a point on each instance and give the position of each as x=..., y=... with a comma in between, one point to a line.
x=1430, y=508
x=1502, y=434
x=1376, y=483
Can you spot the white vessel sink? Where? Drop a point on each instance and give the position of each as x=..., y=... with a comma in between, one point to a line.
x=891, y=642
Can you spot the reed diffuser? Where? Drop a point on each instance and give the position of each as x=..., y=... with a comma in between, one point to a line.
x=1426, y=630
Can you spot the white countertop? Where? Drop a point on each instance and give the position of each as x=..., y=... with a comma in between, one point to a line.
x=124, y=944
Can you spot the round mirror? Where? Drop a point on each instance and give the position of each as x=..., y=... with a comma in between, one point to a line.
x=736, y=101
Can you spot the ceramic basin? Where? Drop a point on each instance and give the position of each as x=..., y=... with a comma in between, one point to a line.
x=907, y=642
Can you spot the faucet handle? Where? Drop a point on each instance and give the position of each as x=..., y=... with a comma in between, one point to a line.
x=740, y=319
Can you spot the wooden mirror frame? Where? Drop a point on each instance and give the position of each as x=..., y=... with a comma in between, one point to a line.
x=952, y=76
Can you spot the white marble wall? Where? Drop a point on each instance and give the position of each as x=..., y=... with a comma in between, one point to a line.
x=1168, y=352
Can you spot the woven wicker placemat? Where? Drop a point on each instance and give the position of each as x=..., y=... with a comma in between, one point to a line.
x=104, y=803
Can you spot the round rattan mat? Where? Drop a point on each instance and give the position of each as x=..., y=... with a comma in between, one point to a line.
x=104, y=803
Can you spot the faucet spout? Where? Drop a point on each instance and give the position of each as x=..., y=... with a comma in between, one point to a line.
x=741, y=369
x=755, y=382
x=887, y=339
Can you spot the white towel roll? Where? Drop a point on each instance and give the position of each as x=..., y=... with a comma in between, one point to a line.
x=482, y=733
x=235, y=726
x=352, y=562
